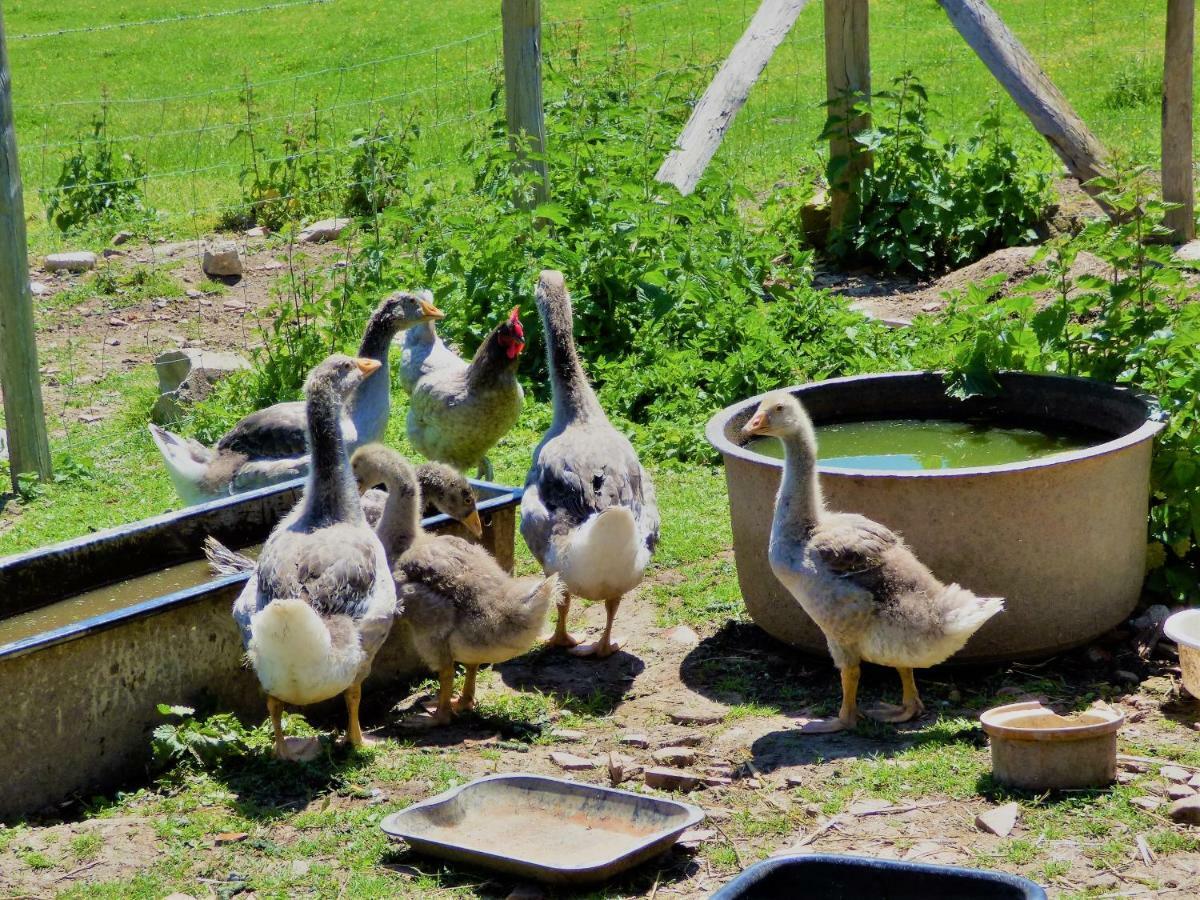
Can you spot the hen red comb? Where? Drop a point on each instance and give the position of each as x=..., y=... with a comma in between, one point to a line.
x=515, y=321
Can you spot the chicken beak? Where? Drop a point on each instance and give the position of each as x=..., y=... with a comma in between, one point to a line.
x=430, y=311
x=367, y=366
x=474, y=523
x=757, y=422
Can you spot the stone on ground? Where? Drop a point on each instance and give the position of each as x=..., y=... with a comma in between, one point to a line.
x=222, y=259
x=697, y=715
x=38, y=288
x=670, y=779
x=569, y=735
x=636, y=740
x=325, y=230
x=999, y=820
x=569, y=762
x=121, y=237
x=74, y=261
x=1186, y=811
x=1175, y=774
x=188, y=376
x=675, y=756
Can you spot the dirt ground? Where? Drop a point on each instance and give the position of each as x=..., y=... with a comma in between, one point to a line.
x=771, y=789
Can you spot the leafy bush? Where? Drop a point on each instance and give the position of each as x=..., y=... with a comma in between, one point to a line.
x=95, y=182
x=1133, y=85
x=379, y=159
x=926, y=203
x=205, y=743
x=1134, y=327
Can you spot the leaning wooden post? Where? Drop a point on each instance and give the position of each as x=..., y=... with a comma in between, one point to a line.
x=1036, y=95
x=523, y=85
x=24, y=421
x=847, y=81
x=1177, y=183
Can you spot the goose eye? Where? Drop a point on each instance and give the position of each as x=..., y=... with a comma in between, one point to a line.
x=778, y=407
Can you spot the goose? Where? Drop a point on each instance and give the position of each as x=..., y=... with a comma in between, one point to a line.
x=458, y=601
x=589, y=512
x=268, y=446
x=865, y=589
x=423, y=351
x=321, y=600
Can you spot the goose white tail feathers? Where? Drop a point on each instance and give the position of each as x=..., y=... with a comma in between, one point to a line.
x=291, y=649
x=224, y=561
x=186, y=461
x=967, y=611
x=549, y=591
x=606, y=556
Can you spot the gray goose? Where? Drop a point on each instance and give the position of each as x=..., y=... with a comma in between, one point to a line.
x=865, y=589
x=589, y=512
x=459, y=602
x=268, y=446
x=321, y=601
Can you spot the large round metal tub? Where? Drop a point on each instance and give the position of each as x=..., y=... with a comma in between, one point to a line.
x=1062, y=538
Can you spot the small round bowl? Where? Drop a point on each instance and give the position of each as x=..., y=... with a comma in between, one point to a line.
x=1184, y=629
x=1034, y=748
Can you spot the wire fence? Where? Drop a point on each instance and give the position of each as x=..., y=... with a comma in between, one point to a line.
x=201, y=142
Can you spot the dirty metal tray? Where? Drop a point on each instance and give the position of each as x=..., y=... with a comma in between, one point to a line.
x=548, y=829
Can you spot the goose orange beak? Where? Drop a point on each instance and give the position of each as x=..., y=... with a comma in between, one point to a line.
x=367, y=366
x=474, y=524
x=431, y=311
x=757, y=422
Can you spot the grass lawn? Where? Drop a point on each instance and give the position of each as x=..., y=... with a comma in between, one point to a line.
x=175, y=90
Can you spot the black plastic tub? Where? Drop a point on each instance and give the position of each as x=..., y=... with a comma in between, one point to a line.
x=830, y=877
x=81, y=697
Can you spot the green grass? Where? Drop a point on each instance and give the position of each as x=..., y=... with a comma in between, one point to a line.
x=1097, y=51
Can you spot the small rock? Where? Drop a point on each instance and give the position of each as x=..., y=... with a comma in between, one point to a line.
x=256, y=232
x=1105, y=881
x=1175, y=774
x=675, y=756
x=38, y=288
x=1194, y=781
x=621, y=768
x=716, y=781
x=233, y=304
x=121, y=237
x=325, y=230
x=1186, y=811
x=110, y=253
x=1153, y=617
x=1126, y=677
x=1134, y=765
x=572, y=763
x=229, y=837
x=671, y=779
x=117, y=323
x=635, y=740
x=812, y=809
x=682, y=635
x=376, y=797
x=222, y=259
x=567, y=734
x=1147, y=803
x=694, y=837
x=1179, y=791
x=113, y=342
x=300, y=867
x=931, y=307
x=696, y=716
x=688, y=739
x=74, y=261
x=1126, y=777
x=1000, y=820
x=794, y=781
x=194, y=294
x=868, y=806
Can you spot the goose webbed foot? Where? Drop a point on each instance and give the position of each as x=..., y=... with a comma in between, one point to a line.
x=847, y=717
x=910, y=708
x=600, y=649
x=562, y=637
x=826, y=726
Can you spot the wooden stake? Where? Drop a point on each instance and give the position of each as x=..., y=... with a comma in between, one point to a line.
x=24, y=420
x=1036, y=95
x=522, y=20
x=847, y=81
x=726, y=93
x=1177, y=179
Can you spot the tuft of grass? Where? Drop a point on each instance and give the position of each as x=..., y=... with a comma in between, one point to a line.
x=86, y=846
x=35, y=859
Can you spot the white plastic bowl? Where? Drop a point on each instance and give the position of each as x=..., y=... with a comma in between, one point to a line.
x=1184, y=629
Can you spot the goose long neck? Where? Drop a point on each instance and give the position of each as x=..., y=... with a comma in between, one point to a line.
x=799, y=502
x=376, y=342
x=574, y=400
x=400, y=522
x=331, y=495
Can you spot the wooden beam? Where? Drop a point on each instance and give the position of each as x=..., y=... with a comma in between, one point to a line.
x=716, y=110
x=24, y=420
x=522, y=21
x=1036, y=95
x=1177, y=179
x=847, y=81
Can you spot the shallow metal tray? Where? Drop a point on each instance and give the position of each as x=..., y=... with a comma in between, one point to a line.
x=548, y=829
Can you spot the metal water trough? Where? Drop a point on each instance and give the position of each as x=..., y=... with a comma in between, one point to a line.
x=80, y=701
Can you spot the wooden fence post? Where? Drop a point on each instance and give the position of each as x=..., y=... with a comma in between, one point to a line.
x=847, y=81
x=24, y=420
x=523, y=84
x=1177, y=178
x=1030, y=88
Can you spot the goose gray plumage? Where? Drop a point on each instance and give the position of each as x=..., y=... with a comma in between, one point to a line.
x=589, y=511
x=459, y=602
x=867, y=591
x=268, y=446
x=321, y=601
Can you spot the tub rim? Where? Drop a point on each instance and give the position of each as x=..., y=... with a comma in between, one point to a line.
x=506, y=495
x=1154, y=420
x=1057, y=734
x=1175, y=624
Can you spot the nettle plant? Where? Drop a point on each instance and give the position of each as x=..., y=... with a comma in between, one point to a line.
x=1134, y=326
x=928, y=203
